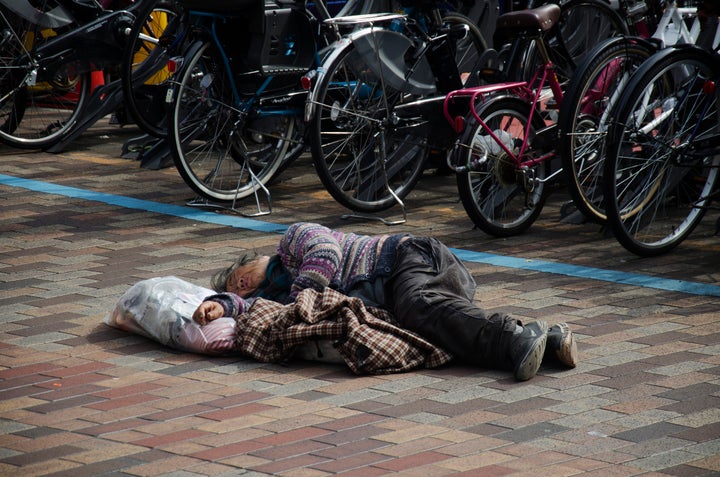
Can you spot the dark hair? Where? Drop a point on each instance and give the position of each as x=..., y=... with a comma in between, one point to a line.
x=219, y=280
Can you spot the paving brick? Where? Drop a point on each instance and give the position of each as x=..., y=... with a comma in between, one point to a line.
x=80, y=398
x=41, y=455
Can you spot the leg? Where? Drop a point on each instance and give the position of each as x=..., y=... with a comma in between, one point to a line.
x=431, y=292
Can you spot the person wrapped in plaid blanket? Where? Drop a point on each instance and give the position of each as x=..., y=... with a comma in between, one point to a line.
x=424, y=288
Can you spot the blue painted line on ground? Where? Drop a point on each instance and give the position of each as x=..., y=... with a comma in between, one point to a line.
x=184, y=212
x=189, y=213
x=614, y=276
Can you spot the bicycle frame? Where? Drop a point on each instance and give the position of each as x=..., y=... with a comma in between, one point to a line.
x=244, y=104
x=672, y=29
x=522, y=89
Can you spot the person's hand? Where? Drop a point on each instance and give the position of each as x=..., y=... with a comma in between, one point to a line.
x=208, y=311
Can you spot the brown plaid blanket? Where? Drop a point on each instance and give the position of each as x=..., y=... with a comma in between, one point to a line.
x=368, y=339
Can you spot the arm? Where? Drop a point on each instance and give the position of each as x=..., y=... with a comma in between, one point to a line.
x=312, y=254
x=217, y=306
x=207, y=312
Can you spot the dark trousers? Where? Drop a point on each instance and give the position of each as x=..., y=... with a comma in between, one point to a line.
x=430, y=292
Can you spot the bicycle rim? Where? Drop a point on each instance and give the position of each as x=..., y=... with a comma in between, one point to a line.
x=583, y=121
x=222, y=154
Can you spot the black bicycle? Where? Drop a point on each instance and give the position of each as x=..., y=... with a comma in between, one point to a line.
x=236, y=103
x=375, y=108
x=48, y=50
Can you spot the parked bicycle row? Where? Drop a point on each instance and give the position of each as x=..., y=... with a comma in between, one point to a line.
x=233, y=91
x=622, y=143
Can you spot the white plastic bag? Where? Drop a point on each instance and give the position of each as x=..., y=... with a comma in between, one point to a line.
x=161, y=309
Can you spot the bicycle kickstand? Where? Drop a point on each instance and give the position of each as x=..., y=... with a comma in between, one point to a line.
x=257, y=186
x=381, y=219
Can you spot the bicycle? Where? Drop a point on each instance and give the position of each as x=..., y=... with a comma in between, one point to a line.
x=502, y=159
x=372, y=102
x=236, y=101
x=582, y=122
x=582, y=24
x=49, y=49
x=663, y=150
x=158, y=35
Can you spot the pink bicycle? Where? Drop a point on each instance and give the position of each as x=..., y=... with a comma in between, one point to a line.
x=504, y=158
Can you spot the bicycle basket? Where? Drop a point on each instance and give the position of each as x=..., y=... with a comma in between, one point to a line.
x=287, y=44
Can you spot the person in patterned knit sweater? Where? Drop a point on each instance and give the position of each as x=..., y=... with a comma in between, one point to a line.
x=418, y=279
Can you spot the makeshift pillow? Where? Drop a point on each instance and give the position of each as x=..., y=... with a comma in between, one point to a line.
x=161, y=309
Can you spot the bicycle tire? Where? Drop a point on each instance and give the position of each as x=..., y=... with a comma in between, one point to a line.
x=469, y=49
x=492, y=195
x=350, y=126
x=144, y=72
x=582, y=120
x=36, y=110
x=662, y=179
x=221, y=153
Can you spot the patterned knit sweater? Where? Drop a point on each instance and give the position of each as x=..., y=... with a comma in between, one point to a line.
x=317, y=257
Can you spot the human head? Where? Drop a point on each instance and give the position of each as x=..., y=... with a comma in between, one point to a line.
x=243, y=276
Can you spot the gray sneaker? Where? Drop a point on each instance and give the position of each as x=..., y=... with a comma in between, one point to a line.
x=561, y=345
x=527, y=349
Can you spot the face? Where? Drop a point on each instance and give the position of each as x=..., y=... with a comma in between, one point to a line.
x=245, y=280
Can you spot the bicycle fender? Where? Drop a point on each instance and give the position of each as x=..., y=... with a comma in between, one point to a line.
x=707, y=56
x=392, y=47
x=335, y=50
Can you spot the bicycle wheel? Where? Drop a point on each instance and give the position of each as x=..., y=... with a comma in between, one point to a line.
x=497, y=196
x=582, y=121
x=37, y=106
x=221, y=148
x=661, y=159
x=144, y=72
x=365, y=153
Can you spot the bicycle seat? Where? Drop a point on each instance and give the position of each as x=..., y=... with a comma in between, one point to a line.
x=531, y=21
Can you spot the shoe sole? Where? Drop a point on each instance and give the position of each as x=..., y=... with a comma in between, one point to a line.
x=567, y=353
x=529, y=365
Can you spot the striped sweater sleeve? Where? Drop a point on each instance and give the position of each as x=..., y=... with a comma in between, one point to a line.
x=313, y=254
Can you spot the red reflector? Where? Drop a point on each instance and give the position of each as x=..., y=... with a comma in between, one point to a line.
x=459, y=124
x=709, y=87
x=172, y=66
x=307, y=80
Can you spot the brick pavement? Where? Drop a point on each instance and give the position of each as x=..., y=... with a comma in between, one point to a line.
x=79, y=398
